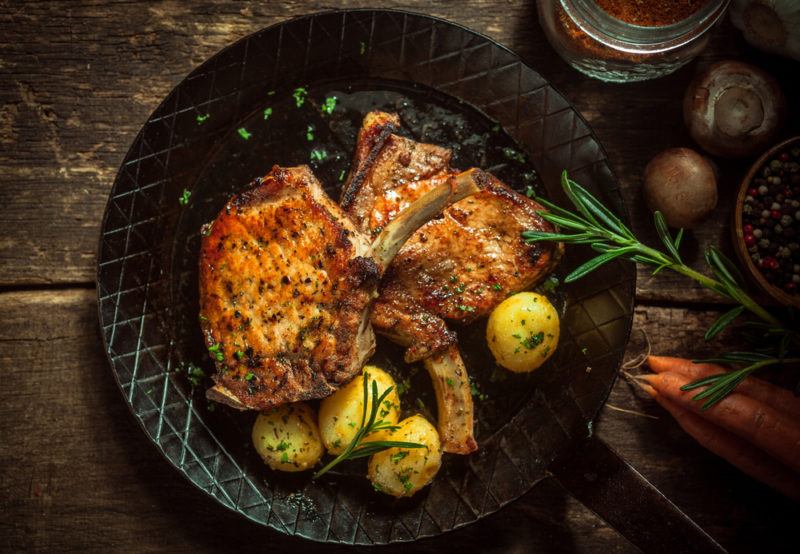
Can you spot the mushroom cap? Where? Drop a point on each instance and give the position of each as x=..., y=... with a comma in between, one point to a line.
x=733, y=109
x=682, y=185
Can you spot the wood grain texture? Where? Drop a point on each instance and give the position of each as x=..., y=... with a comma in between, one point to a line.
x=79, y=80
x=77, y=473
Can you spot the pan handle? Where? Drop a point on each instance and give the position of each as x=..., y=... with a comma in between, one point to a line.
x=597, y=476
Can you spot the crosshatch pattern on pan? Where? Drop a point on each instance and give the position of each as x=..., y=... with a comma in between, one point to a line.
x=137, y=244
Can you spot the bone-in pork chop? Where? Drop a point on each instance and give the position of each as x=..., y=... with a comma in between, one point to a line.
x=286, y=285
x=457, y=267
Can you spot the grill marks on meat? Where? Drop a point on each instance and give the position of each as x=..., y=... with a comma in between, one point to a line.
x=285, y=283
x=457, y=267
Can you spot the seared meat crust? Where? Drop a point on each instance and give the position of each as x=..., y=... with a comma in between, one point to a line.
x=285, y=283
x=456, y=267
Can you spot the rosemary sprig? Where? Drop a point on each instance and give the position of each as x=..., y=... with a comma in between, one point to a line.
x=597, y=226
x=357, y=447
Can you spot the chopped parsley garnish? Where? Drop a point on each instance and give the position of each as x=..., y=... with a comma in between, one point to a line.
x=497, y=286
x=403, y=386
x=310, y=133
x=300, y=94
x=249, y=377
x=341, y=175
x=551, y=284
x=529, y=192
x=473, y=387
x=464, y=308
x=285, y=458
x=244, y=133
x=184, y=197
x=215, y=352
x=512, y=154
x=201, y=118
x=283, y=445
x=267, y=113
x=398, y=456
x=377, y=487
x=271, y=93
x=329, y=105
x=239, y=354
x=584, y=350
x=450, y=382
x=195, y=374
x=318, y=155
x=533, y=340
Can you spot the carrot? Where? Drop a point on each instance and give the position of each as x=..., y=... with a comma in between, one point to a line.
x=735, y=450
x=773, y=432
x=779, y=398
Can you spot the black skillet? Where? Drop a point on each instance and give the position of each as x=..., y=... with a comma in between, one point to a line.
x=238, y=114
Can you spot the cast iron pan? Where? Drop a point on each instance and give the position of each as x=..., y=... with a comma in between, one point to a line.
x=234, y=117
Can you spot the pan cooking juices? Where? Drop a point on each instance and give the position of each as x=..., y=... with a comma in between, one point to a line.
x=626, y=40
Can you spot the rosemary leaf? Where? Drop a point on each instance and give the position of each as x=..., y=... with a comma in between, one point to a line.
x=723, y=321
x=357, y=447
x=596, y=262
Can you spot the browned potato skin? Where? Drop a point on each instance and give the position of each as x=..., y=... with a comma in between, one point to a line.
x=287, y=438
x=401, y=472
x=523, y=332
x=340, y=413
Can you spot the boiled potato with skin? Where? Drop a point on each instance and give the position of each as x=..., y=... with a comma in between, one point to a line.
x=340, y=413
x=404, y=471
x=287, y=437
x=523, y=331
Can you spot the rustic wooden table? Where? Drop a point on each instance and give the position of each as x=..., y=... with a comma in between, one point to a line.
x=77, y=80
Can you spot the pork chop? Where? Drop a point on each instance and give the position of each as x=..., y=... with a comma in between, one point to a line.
x=457, y=267
x=286, y=286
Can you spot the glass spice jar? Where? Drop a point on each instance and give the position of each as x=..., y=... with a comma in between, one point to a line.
x=628, y=40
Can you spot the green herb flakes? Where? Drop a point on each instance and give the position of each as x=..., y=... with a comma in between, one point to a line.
x=515, y=155
x=329, y=105
x=465, y=308
x=529, y=192
x=267, y=113
x=533, y=340
x=497, y=286
x=398, y=456
x=300, y=94
x=341, y=175
x=216, y=352
x=239, y=354
x=310, y=133
x=244, y=133
x=195, y=374
x=183, y=199
x=283, y=445
x=362, y=47
x=450, y=382
x=318, y=155
x=201, y=118
x=249, y=377
x=285, y=458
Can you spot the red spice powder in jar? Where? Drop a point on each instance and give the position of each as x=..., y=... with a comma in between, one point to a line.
x=651, y=13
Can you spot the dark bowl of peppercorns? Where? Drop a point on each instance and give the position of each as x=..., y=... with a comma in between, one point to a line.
x=766, y=225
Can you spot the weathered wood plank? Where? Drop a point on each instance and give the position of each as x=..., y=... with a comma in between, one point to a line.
x=78, y=81
x=77, y=473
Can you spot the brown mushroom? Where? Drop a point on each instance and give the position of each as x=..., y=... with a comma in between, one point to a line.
x=682, y=185
x=733, y=109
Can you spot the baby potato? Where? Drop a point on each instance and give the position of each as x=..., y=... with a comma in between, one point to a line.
x=523, y=331
x=287, y=437
x=404, y=471
x=340, y=413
